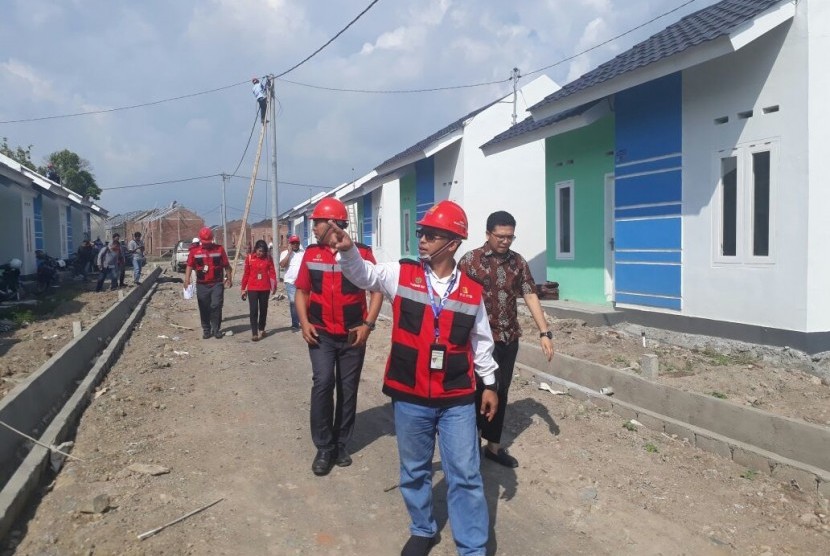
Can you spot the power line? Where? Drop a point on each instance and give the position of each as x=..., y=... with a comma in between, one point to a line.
x=345, y=90
x=571, y=57
x=253, y=127
x=119, y=108
x=328, y=42
x=194, y=178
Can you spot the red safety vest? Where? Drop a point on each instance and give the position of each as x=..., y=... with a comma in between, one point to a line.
x=208, y=262
x=259, y=274
x=408, y=376
x=334, y=304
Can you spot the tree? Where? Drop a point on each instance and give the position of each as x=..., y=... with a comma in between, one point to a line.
x=75, y=173
x=21, y=155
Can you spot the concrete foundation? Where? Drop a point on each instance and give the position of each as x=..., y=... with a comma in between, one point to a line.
x=52, y=398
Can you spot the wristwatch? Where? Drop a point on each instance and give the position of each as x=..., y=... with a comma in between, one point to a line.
x=494, y=387
x=547, y=334
x=371, y=325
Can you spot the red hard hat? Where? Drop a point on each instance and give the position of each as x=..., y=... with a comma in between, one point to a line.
x=206, y=234
x=330, y=209
x=293, y=239
x=448, y=216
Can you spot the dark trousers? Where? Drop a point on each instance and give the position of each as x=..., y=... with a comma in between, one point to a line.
x=110, y=272
x=210, y=298
x=258, y=305
x=335, y=370
x=505, y=356
x=263, y=105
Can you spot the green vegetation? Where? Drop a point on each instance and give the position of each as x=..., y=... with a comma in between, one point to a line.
x=716, y=394
x=724, y=359
x=749, y=474
x=629, y=426
x=650, y=448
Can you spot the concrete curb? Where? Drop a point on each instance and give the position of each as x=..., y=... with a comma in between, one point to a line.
x=34, y=402
x=806, y=442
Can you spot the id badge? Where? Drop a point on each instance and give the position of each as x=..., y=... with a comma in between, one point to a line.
x=206, y=268
x=437, y=357
x=259, y=276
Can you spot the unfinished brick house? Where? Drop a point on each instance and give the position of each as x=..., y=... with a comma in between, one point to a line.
x=253, y=232
x=160, y=228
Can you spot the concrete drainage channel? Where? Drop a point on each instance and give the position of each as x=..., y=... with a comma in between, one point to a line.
x=793, y=451
x=53, y=398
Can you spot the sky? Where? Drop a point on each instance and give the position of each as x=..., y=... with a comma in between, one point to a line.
x=65, y=57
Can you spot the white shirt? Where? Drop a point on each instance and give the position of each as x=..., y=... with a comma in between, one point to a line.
x=293, y=265
x=384, y=277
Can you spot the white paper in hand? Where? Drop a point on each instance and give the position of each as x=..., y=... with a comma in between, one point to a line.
x=188, y=291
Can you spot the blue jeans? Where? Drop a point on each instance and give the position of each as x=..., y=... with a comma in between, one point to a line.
x=291, y=292
x=416, y=427
x=138, y=263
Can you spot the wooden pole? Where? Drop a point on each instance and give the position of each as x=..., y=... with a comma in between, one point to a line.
x=244, y=224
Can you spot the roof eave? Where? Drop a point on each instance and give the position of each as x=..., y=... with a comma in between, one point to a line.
x=439, y=144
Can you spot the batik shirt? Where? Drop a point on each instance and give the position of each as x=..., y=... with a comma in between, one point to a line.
x=505, y=278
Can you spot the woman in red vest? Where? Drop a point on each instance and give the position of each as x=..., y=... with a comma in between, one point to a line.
x=259, y=279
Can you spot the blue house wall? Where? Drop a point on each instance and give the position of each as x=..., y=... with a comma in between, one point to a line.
x=424, y=186
x=37, y=206
x=648, y=194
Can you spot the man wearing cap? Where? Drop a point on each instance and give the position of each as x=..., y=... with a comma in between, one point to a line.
x=441, y=341
x=290, y=260
x=213, y=275
x=335, y=323
x=506, y=277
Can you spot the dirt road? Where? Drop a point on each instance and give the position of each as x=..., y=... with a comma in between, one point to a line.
x=229, y=419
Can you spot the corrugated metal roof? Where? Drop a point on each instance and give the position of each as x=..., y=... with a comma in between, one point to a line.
x=704, y=25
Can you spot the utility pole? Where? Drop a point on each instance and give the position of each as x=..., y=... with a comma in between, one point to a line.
x=224, y=215
x=515, y=78
x=275, y=215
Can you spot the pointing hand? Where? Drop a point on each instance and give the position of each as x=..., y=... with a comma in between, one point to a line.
x=339, y=239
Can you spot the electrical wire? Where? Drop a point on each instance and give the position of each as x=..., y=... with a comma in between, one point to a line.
x=160, y=182
x=612, y=39
x=328, y=42
x=399, y=91
x=253, y=127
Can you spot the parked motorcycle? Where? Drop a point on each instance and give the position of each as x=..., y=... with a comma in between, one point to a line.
x=47, y=271
x=10, y=280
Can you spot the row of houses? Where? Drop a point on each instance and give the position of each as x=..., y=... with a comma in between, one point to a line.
x=683, y=181
x=161, y=228
x=39, y=214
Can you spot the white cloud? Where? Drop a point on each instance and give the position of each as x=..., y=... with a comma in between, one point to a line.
x=594, y=31
x=40, y=88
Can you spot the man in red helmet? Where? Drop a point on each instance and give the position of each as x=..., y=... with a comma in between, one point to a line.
x=336, y=323
x=213, y=275
x=290, y=260
x=441, y=341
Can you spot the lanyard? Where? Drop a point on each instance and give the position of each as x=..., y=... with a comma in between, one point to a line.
x=438, y=307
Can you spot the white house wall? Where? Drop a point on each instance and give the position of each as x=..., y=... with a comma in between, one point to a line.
x=513, y=180
x=769, y=72
x=386, y=203
x=817, y=25
x=11, y=224
x=52, y=232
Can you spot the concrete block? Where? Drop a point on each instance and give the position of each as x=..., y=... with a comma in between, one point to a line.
x=76, y=328
x=805, y=479
x=626, y=413
x=601, y=402
x=649, y=366
x=713, y=445
x=682, y=432
x=654, y=423
x=751, y=460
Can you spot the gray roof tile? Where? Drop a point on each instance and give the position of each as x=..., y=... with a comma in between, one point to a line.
x=529, y=124
x=701, y=26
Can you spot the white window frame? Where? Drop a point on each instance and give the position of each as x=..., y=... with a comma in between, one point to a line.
x=564, y=255
x=745, y=204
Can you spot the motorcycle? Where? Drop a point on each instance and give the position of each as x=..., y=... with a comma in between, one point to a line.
x=10, y=280
x=47, y=271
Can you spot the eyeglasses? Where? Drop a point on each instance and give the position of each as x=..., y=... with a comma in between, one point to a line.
x=428, y=235
x=502, y=238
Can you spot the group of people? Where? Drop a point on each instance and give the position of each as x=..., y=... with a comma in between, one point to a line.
x=112, y=260
x=455, y=337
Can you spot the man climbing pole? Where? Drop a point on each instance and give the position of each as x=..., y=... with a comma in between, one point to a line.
x=260, y=90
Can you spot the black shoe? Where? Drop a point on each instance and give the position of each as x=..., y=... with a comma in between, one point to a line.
x=322, y=463
x=206, y=334
x=501, y=457
x=343, y=457
x=417, y=546
x=218, y=335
